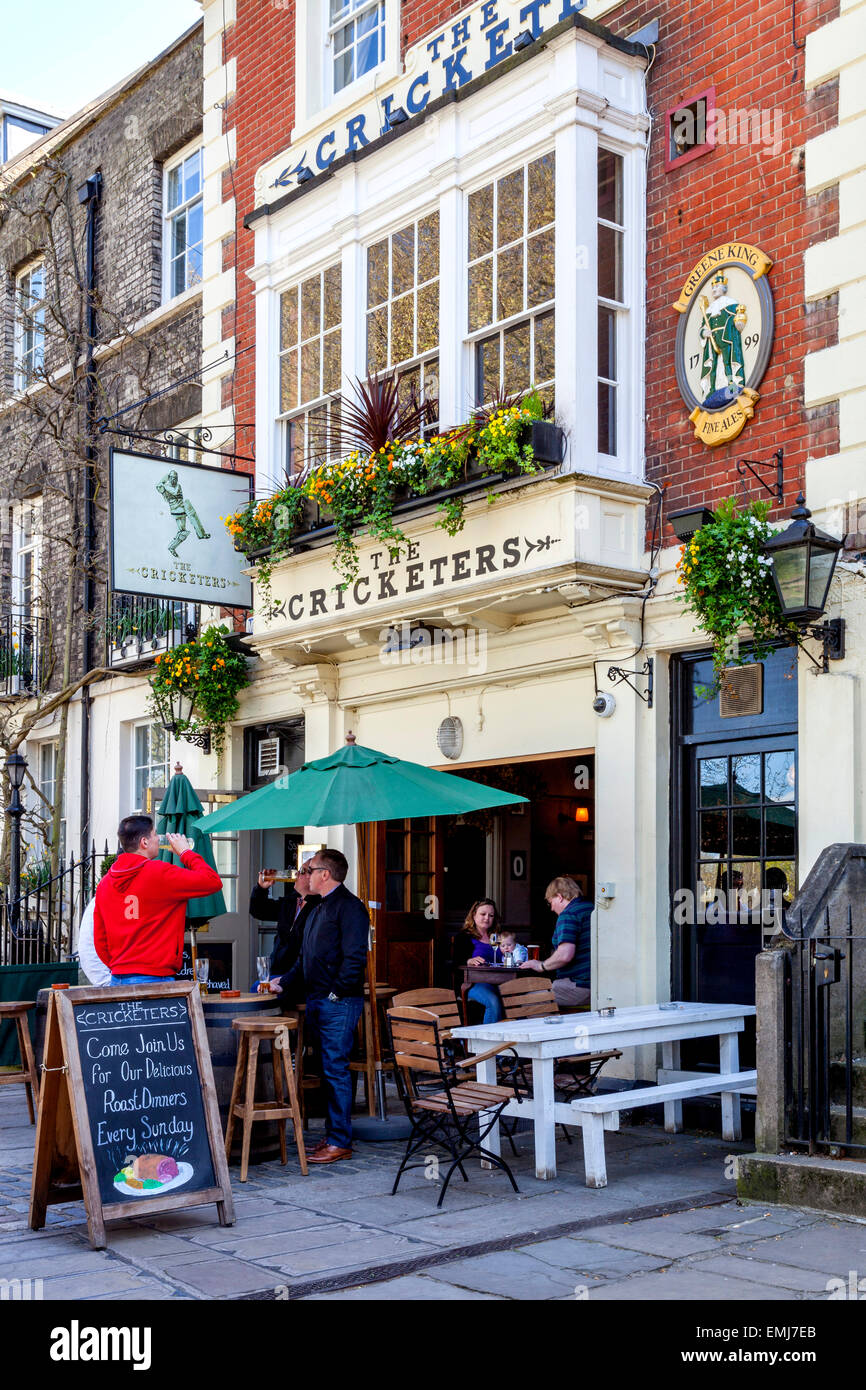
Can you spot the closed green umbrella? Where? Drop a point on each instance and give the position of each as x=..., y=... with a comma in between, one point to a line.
x=353, y=786
x=180, y=813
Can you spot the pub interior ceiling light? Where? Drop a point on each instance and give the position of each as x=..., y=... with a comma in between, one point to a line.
x=449, y=737
x=686, y=523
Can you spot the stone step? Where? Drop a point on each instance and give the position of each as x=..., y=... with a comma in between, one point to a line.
x=825, y=1184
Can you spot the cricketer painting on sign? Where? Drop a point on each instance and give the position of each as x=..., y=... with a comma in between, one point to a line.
x=167, y=534
x=724, y=339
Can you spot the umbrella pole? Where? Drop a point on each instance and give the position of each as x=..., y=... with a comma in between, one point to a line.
x=373, y=1041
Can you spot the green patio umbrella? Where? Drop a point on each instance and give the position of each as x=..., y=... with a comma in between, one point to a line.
x=180, y=813
x=355, y=786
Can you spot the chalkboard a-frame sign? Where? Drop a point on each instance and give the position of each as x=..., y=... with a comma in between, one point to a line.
x=128, y=1117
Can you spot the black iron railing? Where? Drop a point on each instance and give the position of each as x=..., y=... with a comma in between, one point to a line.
x=137, y=627
x=825, y=1019
x=42, y=925
x=22, y=650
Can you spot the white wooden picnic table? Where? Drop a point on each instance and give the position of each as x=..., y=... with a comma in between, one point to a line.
x=543, y=1040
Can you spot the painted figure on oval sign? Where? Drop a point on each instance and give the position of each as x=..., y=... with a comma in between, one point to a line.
x=180, y=508
x=723, y=320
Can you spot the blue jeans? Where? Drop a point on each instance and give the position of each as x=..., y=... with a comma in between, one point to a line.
x=488, y=997
x=138, y=979
x=333, y=1025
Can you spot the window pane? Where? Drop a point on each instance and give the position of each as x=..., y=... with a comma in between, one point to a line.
x=333, y=307
x=609, y=263
x=481, y=222
x=780, y=776
x=331, y=365
x=377, y=274
x=394, y=890
x=310, y=382
x=509, y=282
x=714, y=833
x=402, y=260
x=746, y=830
x=480, y=294
x=540, y=268
x=509, y=213
x=403, y=328
x=606, y=419
x=545, y=359
x=542, y=192
x=781, y=831
x=158, y=746
x=368, y=52
x=487, y=368
x=610, y=186
x=377, y=340
x=607, y=343
x=395, y=849
x=746, y=778
x=289, y=318
x=311, y=307
x=289, y=382
x=428, y=317
x=713, y=778
x=174, y=186
x=516, y=357
x=192, y=176
x=428, y=248
x=342, y=68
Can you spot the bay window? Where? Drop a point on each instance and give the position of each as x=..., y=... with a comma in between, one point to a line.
x=402, y=292
x=611, y=233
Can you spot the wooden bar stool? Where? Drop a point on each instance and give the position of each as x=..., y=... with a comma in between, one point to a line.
x=370, y=1066
x=17, y=1010
x=303, y=1081
x=252, y=1032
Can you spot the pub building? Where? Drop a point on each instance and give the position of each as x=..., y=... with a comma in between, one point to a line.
x=508, y=201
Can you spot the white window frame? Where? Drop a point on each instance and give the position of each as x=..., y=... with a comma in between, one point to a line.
x=31, y=545
x=317, y=404
x=136, y=766
x=51, y=782
x=169, y=215
x=419, y=361
x=28, y=358
x=316, y=101
x=354, y=11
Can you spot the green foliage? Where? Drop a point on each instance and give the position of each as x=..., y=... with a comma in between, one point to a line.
x=727, y=583
x=208, y=668
x=363, y=488
x=269, y=524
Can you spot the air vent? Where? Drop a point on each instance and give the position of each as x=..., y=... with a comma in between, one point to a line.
x=742, y=691
x=267, y=757
x=449, y=737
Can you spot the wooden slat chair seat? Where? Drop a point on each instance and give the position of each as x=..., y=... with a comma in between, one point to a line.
x=443, y=1117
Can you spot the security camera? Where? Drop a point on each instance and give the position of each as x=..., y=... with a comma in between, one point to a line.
x=604, y=705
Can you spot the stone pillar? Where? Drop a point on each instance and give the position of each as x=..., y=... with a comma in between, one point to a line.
x=770, y=1055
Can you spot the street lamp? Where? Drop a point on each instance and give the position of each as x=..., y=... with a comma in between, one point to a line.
x=803, y=561
x=175, y=711
x=16, y=766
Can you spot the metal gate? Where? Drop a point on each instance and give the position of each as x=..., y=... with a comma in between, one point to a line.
x=825, y=1009
x=41, y=927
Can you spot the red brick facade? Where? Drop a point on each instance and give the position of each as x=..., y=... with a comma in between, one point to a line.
x=751, y=192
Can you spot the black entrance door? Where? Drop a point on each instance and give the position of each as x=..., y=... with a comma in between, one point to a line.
x=735, y=833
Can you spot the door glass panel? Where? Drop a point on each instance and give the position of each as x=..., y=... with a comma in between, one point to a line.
x=746, y=778
x=394, y=892
x=713, y=773
x=745, y=884
x=746, y=830
x=714, y=833
x=709, y=883
x=395, y=851
x=780, y=776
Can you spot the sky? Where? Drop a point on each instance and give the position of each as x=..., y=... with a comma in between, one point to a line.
x=60, y=54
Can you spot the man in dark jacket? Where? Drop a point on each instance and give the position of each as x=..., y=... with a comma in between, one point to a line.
x=332, y=964
x=290, y=914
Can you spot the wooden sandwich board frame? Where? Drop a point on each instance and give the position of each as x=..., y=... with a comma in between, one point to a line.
x=64, y=1165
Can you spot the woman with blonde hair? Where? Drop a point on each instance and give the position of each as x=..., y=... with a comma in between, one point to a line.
x=472, y=946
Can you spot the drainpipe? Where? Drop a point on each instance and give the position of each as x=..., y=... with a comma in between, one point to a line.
x=89, y=195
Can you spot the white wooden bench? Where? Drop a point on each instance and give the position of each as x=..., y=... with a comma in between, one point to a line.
x=597, y=1113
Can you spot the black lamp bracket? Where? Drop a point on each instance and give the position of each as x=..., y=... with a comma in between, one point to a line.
x=200, y=739
x=616, y=675
x=777, y=462
x=831, y=635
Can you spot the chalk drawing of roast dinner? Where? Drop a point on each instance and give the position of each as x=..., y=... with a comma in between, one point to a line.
x=151, y=1174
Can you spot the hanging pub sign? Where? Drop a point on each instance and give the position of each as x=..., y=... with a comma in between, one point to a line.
x=724, y=339
x=167, y=534
x=128, y=1117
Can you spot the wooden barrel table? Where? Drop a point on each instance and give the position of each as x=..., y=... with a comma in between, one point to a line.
x=223, y=1045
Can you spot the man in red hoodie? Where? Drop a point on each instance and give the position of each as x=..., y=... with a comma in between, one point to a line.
x=140, y=911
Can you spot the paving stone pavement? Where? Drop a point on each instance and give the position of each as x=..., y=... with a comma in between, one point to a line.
x=667, y=1227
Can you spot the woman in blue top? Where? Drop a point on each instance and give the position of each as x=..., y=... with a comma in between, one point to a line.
x=472, y=946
